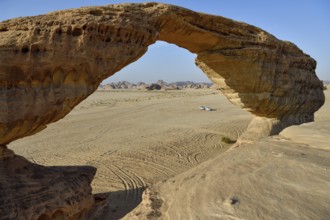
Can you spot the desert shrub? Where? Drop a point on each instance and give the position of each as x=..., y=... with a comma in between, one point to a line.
x=227, y=140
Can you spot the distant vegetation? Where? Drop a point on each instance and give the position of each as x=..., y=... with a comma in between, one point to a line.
x=227, y=140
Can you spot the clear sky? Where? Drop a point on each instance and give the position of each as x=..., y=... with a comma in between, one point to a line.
x=303, y=22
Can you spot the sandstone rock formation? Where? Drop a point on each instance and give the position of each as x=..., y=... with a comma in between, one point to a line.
x=50, y=63
x=154, y=86
x=161, y=83
x=269, y=179
x=31, y=191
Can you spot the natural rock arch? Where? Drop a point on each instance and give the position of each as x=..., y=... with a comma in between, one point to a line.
x=50, y=63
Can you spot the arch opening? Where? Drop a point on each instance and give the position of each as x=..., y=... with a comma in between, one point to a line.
x=162, y=61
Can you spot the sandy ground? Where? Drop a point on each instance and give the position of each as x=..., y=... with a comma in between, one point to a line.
x=136, y=138
x=161, y=139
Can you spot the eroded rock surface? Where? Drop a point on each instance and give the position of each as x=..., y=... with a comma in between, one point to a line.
x=276, y=178
x=49, y=63
x=31, y=191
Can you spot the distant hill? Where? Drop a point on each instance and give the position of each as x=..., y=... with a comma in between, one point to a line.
x=160, y=84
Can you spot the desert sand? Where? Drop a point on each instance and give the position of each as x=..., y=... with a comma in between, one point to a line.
x=137, y=138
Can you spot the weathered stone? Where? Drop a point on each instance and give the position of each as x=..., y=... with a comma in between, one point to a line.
x=30, y=191
x=50, y=63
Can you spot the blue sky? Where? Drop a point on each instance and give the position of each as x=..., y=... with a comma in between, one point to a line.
x=303, y=22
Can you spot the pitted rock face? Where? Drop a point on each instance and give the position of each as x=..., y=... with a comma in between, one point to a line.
x=32, y=191
x=50, y=63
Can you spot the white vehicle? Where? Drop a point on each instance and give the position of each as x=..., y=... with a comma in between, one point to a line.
x=208, y=108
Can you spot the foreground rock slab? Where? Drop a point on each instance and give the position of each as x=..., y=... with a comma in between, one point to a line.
x=276, y=178
x=33, y=192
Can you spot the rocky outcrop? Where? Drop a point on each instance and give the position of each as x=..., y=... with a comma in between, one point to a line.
x=50, y=63
x=161, y=83
x=275, y=178
x=154, y=86
x=30, y=191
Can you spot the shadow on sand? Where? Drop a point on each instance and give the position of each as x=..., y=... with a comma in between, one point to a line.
x=115, y=205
